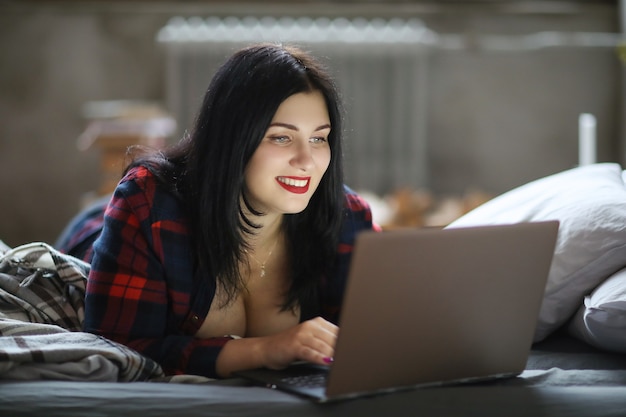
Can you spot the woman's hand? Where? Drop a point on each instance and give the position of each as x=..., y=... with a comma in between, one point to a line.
x=311, y=341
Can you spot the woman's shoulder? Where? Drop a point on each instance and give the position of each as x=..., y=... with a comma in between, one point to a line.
x=142, y=190
x=142, y=179
x=359, y=210
x=353, y=201
x=139, y=174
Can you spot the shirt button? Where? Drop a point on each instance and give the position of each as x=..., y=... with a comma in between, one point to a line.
x=195, y=318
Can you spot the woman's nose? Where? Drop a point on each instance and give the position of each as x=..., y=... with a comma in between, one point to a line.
x=302, y=157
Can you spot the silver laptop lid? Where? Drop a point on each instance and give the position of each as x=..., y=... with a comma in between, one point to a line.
x=433, y=306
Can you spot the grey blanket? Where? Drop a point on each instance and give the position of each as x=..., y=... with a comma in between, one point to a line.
x=41, y=313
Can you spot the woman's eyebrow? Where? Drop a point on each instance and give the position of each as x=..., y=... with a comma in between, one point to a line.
x=295, y=128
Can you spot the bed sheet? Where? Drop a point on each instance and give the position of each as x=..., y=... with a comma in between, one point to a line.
x=564, y=377
x=534, y=395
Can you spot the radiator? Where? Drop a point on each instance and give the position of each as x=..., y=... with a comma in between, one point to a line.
x=380, y=66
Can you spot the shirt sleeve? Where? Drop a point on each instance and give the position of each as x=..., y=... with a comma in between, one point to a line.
x=141, y=279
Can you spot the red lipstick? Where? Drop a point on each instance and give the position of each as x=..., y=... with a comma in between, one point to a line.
x=296, y=185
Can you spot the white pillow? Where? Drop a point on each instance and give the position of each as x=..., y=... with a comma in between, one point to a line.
x=590, y=203
x=601, y=321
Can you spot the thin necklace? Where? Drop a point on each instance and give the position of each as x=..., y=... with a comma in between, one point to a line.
x=262, y=264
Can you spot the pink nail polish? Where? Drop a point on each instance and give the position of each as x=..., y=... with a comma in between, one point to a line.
x=328, y=359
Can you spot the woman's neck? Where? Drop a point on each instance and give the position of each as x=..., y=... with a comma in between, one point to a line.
x=267, y=234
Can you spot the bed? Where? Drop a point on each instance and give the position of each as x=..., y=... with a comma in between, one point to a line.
x=564, y=378
x=576, y=366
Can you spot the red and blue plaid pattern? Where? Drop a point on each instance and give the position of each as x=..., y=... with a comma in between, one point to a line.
x=143, y=290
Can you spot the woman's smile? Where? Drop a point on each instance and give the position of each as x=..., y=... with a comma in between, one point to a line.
x=297, y=185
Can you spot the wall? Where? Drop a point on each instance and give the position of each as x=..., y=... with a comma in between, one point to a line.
x=496, y=120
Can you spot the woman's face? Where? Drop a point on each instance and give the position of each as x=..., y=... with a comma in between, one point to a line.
x=287, y=167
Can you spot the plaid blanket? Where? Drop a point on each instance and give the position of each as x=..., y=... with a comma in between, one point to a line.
x=41, y=314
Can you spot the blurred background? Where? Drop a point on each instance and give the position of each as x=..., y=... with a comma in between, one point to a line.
x=445, y=100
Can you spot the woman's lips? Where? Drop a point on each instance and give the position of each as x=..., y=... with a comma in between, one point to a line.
x=296, y=185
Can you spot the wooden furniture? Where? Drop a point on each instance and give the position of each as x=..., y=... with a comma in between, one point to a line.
x=118, y=126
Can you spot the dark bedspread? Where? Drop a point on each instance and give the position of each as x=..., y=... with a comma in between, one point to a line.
x=564, y=377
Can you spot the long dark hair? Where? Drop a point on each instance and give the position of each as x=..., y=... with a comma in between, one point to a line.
x=206, y=168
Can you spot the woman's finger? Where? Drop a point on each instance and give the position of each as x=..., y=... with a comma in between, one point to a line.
x=319, y=343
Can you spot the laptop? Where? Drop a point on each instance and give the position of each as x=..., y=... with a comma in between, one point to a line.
x=428, y=307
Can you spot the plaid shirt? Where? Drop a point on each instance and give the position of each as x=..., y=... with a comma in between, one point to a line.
x=143, y=290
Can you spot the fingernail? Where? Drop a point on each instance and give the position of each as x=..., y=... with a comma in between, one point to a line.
x=328, y=359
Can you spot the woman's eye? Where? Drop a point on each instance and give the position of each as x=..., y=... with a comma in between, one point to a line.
x=280, y=139
x=318, y=139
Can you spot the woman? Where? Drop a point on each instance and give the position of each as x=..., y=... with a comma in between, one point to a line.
x=230, y=250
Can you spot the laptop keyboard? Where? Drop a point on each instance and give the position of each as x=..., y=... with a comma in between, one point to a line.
x=317, y=380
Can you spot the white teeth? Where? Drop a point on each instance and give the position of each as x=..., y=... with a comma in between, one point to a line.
x=292, y=182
